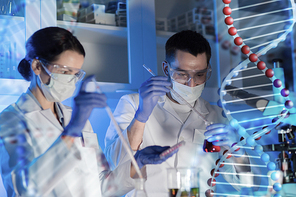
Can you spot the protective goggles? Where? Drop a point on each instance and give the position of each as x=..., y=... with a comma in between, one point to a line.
x=184, y=76
x=72, y=73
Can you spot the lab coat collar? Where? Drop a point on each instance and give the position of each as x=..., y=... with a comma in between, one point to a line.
x=163, y=102
x=27, y=103
x=200, y=106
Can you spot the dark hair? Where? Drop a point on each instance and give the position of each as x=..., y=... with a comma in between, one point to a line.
x=187, y=41
x=48, y=43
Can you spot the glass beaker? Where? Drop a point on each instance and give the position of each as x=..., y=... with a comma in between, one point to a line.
x=139, y=188
x=183, y=182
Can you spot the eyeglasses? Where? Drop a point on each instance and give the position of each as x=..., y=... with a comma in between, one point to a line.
x=184, y=76
x=72, y=73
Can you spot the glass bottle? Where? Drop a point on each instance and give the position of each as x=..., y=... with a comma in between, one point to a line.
x=139, y=188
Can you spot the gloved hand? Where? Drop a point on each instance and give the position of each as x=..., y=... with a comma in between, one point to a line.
x=149, y=93
x=221, y=135
x=84, y=103
x=150, y=155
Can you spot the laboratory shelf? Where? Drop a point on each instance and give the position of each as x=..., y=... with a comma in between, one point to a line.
x=95, y=33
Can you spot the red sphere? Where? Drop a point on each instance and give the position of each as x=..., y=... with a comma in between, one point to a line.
x=226, y=1
x=211, y=183
x=209, y=193
x=246, y=49
x=268, y=132
x=269, y=73
x=212, y=172
x=229, y=155
x=227, y=10
x=234, y=145
x=238, y=41
x=285, y=92
x=221, y=165
x=228, y=20
x=232, y=31
x=261, y=65
x=258, y=137
x=253, y=57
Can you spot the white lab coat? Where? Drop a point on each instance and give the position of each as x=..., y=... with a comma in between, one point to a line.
x=165, y=128
x=55, y=170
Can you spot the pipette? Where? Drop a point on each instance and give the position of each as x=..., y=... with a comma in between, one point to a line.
x=117, y=128
x=171, y=149
x=180, y=97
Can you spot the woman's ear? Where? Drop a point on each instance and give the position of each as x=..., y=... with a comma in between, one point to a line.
x=36, y=67
x=165, y=68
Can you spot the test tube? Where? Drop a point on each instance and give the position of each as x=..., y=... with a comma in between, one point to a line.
x=171, y=149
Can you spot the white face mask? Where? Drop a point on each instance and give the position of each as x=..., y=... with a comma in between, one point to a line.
x=190, y=94
x=59, y=88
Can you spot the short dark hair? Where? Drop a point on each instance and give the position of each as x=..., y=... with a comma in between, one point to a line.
x=187, y=41
x=48, y=43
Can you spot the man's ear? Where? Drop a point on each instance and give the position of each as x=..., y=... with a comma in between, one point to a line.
x=165, y=68
x=36, y=67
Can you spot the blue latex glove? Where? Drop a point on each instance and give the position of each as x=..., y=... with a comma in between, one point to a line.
x=84, y=103
x=149, y=93
x=221, y=134
x=150, y=155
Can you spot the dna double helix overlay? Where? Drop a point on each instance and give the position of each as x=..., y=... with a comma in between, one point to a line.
x=253, y=97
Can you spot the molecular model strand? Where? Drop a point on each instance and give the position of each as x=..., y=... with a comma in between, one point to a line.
x=254, y=31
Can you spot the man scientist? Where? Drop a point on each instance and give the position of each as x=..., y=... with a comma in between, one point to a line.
x=156, y=116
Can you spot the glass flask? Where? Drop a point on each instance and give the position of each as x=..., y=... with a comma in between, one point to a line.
x=183, y=182
x=139, y=188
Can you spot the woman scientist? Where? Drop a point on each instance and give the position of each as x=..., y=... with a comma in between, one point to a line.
x=48, y=149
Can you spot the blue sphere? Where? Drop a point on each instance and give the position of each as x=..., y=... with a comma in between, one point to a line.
x=271, y=166
x=234, y=123
x=223, y=114
x=277, y=187
x=265, y=157
x=241, y=131
x=258, y=149
x=275, y=176
x=219, y=103
x=250, y=141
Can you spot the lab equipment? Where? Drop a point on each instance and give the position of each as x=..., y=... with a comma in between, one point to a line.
x=209, y=147
x=183, y=182
x=72, y=73
x=84, y=103
x=151, y=155
x=118, y=130
x=172, y=149
x=181, y=98
x=140, y=188
x=184, y=76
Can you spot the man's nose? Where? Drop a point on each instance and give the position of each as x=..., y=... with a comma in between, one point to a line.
x=191, y=82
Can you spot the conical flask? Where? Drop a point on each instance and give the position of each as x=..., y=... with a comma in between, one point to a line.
x=140, y=188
